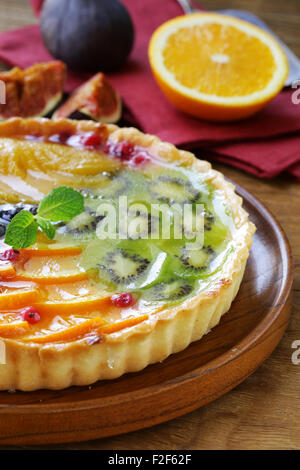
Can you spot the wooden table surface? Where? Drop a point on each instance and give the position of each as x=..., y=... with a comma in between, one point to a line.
x=264, y=411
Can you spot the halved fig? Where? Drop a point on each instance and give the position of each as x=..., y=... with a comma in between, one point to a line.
x=96, y=99
x=34, y=91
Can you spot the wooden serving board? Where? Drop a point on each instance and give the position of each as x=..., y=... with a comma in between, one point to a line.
x=207, y=369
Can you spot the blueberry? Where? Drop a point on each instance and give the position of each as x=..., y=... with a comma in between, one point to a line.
x=8, y=211
x=7, y=216
x=33, y=209
x=2, y=230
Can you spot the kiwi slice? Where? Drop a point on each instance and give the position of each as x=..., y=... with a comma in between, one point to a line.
x=172, y=290
x=186, y=224
x=83, y=226
x=125, y=182
x=117, y=186
x=121, y=267
x=209, y=220
x=172, y=190
x=142, y=225
x=197, y=260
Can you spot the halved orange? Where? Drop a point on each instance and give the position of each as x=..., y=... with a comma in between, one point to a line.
x=217, y=67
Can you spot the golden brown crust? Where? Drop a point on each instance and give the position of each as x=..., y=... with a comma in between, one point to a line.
x=59, y=365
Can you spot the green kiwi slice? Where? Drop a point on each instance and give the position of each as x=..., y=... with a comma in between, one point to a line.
x=197, y=260
x=172, y=290
x=157, y=268
x=121, y=267
x=142, y=225
x=172, y=190
x=118, y=186
x=209, y=220
x=83, y=226
x=125, y=182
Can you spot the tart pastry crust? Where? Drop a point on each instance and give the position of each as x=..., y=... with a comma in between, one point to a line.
x=31, y=366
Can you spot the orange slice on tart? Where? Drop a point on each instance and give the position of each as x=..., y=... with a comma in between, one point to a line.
x=10, y=330
x=50, y=269
x=17, y=294
x=52, y=249
x=6, y=269
x=67, y=334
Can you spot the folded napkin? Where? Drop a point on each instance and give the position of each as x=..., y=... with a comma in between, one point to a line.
x=266, y=144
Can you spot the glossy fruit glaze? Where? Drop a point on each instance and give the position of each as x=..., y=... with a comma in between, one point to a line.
x=80, y=285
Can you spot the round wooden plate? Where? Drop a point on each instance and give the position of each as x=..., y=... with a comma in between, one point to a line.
x=207, y=369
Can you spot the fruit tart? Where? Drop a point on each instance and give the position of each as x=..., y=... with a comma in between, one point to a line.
x=150, y=263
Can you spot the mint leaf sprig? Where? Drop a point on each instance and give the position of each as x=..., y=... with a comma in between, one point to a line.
x=61, y=205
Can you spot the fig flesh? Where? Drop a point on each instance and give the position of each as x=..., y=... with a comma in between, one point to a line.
x=95, y=99
x=34, y=91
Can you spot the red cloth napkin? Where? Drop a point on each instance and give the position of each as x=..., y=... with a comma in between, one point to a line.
x=266, y=144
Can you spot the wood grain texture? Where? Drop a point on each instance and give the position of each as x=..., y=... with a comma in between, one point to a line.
x=264, y=411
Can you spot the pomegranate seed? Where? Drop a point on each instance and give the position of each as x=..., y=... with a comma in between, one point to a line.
x=9, y=255
x=91, y=140
x=123, y=150
x=64, y=136
x=31, y=315
x=140, y=159
x=122, y=300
